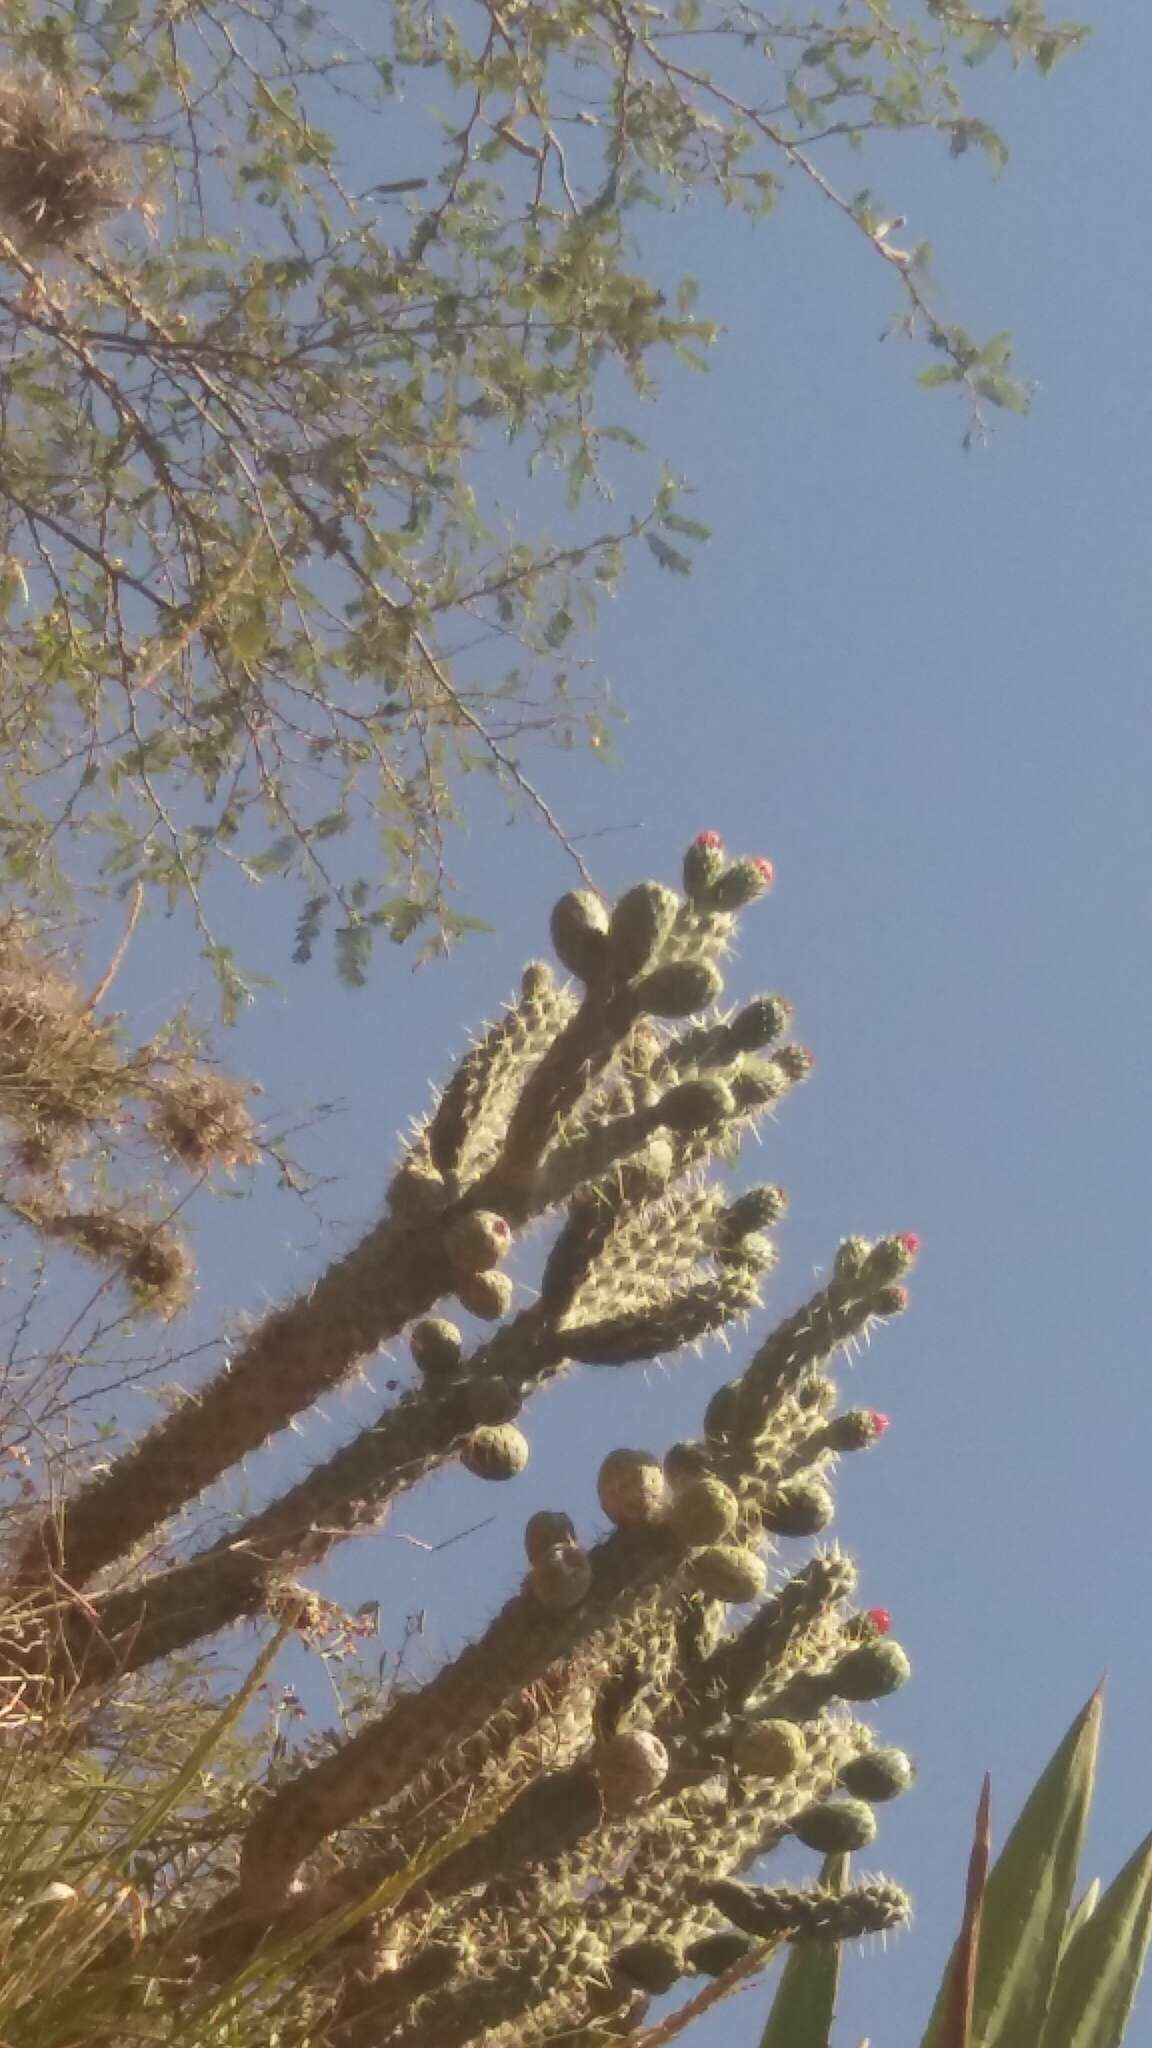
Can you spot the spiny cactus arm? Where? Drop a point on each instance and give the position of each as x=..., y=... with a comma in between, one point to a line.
x=740, y=1665
x=133, y=1627
x=527, y=1638
x=812, y=1912
x=466, y=1132
x=293, y=1356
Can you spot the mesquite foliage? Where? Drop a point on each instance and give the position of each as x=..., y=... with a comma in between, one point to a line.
x=559, y=1824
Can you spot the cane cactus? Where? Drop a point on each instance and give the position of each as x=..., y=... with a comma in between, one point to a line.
x=560, y=1823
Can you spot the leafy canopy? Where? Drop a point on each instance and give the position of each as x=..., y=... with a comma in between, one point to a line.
x=320, y=399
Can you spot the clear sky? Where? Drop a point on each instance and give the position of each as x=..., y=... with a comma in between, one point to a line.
x=917, y=679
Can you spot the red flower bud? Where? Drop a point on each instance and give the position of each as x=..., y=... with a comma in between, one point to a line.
x=880, y=1422
x=911, y=1243
x=708, y=840
x=766, y=868
x=881, y=1620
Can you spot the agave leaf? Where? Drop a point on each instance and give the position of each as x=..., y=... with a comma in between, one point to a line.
x=1027, y=1901
x=1081, y=1912
x=804, y=2008
x=1102, y=1963
x=957, y=2028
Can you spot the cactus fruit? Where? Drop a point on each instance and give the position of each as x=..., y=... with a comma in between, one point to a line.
x=801, y=1507
x=834, y=1826
x=579, y=931
x=704, y=1511
x=678, y=989
x=870, y=1671
x=653, y=1965
x=631, y=1488
x=544, y=1530
x=769, y=1749
x=640, y=925
x=492, y=1400
x=878, y=1774
x=704, y=863
x=855, y=1430
x=496, y=1451
x=629, y=1767
x=715, y=1953
x=561, y=1576
x=741, y=883
x=488, y=1296
x=436, y=1346
x=726, y=1572
x=477, y=1241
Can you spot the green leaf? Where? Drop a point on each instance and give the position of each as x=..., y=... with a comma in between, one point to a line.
x=1081, y=1912
x=1028, y=1898
x=1103, y=1961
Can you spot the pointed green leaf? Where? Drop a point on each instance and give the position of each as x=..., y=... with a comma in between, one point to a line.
x=1081, y=1912
x=1028, y=1898
x=804, y=2008
x=957, y=2028
x=1102, y=1963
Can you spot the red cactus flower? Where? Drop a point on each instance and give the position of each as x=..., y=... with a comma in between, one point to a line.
x=880, y=1618
x=879, y=1422
x=911, y=1243
x=707, y=841
x=766, y=869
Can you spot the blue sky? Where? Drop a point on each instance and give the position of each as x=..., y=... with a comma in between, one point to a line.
x=918, y=680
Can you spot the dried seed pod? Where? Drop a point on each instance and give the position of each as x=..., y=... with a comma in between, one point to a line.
x=870, y=1671
x=487, y=1295
x=544, y=1530
x=726, y=1572
x=704, y=1511
x=654, y=1965
x=679, y=989
x=640, y=924
x=579, y=929
x=769, y=1749
x=436, y=1346
x=477, y=1241
x=417, y=1192
x=836, y=1826
x=498, y=1451
x=878, y=1774
x=629, y=1768
x=561, y=1576
x=801, y=1507
x=631, y=1488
